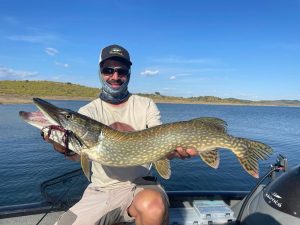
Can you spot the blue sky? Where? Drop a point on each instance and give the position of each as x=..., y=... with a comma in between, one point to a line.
x=245, y=49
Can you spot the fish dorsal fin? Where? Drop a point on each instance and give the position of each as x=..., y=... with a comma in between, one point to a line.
x=163, y=168
x=85, y=165
x=217, y=123
x=211, y=158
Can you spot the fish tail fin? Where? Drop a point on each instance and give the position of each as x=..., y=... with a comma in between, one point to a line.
x=249, y=152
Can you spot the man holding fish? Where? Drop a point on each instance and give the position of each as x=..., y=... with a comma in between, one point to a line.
x=120, y=194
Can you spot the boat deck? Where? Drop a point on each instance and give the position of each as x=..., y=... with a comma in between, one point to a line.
x=33, y=219
x=181, y=209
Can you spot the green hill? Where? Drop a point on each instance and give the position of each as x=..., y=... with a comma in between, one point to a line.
x=46, y=88
x=23, y=91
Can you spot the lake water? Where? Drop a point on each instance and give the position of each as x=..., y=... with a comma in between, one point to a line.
x=26, y=160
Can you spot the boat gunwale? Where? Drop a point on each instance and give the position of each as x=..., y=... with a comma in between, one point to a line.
x=45, y=207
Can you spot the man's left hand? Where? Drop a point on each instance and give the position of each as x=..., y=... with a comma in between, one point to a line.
x=182, y=153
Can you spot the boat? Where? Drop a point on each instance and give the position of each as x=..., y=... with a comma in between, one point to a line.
x=273, y=201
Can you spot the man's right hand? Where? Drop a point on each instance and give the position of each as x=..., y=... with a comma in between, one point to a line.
x=61, y=149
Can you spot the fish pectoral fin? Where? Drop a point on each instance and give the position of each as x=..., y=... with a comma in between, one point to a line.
x=163, y=168
x=211, y=158
x=85, y=165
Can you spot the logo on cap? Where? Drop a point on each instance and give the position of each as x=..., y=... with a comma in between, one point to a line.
x=116, y=51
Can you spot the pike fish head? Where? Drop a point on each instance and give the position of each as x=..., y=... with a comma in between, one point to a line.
x=65, y=118
x=79, y=124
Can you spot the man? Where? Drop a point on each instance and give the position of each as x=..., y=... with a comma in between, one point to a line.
x=118, y=195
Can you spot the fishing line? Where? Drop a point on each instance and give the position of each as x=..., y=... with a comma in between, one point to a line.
x=65, y=138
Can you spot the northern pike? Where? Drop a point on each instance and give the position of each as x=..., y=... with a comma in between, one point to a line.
x=95, y=141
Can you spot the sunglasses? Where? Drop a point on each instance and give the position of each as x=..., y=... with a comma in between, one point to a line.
x=109, y=71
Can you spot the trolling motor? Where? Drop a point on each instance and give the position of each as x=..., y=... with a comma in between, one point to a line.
x=277, y=202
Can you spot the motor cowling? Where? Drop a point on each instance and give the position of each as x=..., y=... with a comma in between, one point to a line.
x=278, y=203
x=284, y=193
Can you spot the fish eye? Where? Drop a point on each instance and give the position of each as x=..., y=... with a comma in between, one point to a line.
x=68, y=116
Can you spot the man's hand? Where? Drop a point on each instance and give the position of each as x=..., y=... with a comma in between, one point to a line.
x=182, y=153
x=59, y=148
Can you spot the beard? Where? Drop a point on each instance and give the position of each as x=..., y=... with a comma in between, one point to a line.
x=115, y=82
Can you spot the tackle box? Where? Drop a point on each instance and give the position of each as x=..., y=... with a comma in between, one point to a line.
x=203, y=212
x=213, y=212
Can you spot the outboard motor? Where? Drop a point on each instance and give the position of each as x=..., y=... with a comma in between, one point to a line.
x=277, y=203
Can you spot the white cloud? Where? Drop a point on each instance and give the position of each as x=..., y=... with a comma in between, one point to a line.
x=150, y=73
x=168, y=89
x=180, y=75
x=39, y=38
x=51, y=51
x=65, y=65
x=11, y=74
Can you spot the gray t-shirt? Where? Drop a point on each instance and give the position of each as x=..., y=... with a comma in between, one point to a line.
x=137, y=113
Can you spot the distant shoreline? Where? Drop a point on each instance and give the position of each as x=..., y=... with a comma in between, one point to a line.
x=22, y=92
x=15, y=99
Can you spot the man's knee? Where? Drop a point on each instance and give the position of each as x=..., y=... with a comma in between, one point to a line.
x=151, y=202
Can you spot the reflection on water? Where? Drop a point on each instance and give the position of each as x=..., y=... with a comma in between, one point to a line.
x=26, y=160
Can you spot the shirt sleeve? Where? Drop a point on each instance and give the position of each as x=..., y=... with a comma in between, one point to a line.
x=153, y=115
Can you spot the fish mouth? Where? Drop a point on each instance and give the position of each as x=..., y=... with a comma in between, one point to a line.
x=36, y=119
x=28, y=116
x=52, y=113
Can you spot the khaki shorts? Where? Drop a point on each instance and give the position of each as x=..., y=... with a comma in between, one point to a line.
x=106, y=207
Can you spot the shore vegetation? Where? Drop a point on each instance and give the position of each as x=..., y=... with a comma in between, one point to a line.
x=17, y=92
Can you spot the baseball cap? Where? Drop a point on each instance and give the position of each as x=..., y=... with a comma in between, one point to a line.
x=114, y=51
